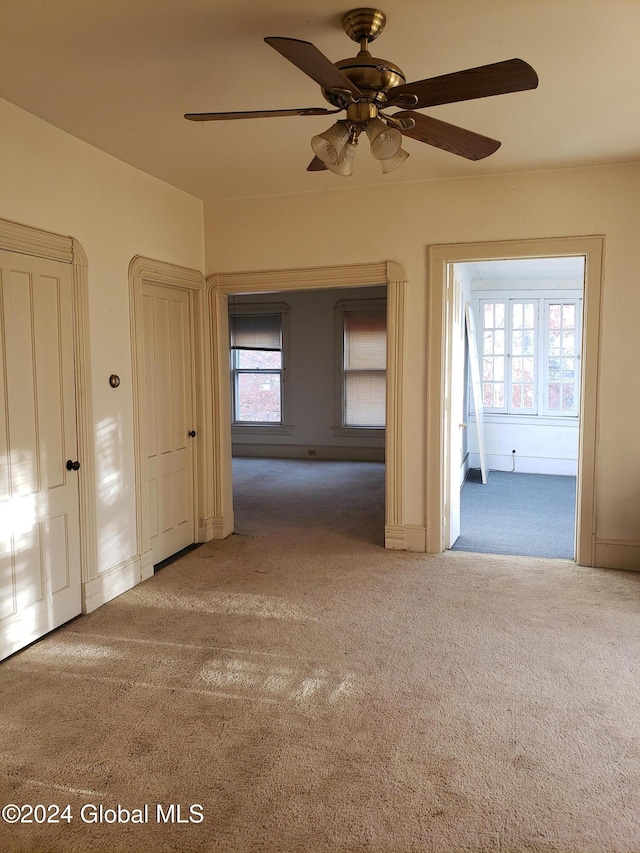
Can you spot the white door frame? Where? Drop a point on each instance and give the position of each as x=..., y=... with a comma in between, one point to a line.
x=592, y=248
x=220, y=286
x=145, y=270
x=15, y=237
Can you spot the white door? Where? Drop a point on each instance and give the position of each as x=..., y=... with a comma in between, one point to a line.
x=454, y=404
x=39, y=509
x=169, y=418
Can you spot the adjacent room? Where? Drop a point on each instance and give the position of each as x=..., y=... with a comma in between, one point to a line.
x=308, y=380
x=528, y=316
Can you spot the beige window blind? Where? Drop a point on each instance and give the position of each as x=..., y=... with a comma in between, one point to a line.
x=365, y=355
x=256, y=331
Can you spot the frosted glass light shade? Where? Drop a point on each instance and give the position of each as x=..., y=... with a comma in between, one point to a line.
x=344, y=166
x=328, y=146
x=385, y=141
x=392, y=163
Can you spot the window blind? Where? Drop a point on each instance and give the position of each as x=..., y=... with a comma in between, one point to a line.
x=365, y=356
x=365, y=398
x=365, y=340
x=256, y=331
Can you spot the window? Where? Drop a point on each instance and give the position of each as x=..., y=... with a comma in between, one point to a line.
x=530, y=355
x=362, y=334
x=562, y=354
x=257, y=365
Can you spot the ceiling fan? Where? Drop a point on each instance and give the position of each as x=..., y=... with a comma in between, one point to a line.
x=365, y=87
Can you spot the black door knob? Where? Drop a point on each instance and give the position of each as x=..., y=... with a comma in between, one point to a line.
x=192, y=433
x=72, y=466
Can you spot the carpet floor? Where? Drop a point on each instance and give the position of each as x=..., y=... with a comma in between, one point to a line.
x=305, y=690
x=526, y=515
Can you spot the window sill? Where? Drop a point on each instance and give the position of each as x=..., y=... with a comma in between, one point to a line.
x=261, y=429
x=529, y=420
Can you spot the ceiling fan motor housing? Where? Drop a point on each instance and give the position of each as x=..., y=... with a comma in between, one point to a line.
x=373, y=76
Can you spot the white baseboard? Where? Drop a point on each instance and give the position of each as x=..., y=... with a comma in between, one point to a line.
x=410, y=537
x=146, y=565
x=218, y=527
x=394, y=538
x=111, y=584
x=617, y=554
x=415, y=537
x=301, y=451
x=527, y=464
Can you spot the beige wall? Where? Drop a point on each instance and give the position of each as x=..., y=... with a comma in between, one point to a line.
x=400, y=221
x=51, y=180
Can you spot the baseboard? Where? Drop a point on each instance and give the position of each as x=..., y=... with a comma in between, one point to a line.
x=394, y=538
x=617, y=554
x=415, y=537
x=310, y=451
x=527, y=464
x=111, y=584
x=216, y=527
x=146, y=565
x=410, y=537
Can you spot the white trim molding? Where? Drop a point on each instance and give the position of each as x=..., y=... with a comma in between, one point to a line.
x=15, y=237
x=592, y=248
x=145, y=270
x=111, y=584
x=618, y=554
x=221, y=285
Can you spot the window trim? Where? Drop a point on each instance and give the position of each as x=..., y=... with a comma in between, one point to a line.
x=284, y=426
x=341, y=308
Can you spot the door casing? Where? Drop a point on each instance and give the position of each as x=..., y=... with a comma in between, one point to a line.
x=592, y=248
x=398, y=534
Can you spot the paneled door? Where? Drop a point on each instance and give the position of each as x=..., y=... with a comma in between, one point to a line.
x=169, y=418
x=39, y=511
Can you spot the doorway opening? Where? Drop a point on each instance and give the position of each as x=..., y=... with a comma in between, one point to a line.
x=233, y=286
x=444, y=347
x=519, y=401
x=308, y=380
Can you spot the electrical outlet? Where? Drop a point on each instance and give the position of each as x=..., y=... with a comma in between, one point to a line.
x=312, y=453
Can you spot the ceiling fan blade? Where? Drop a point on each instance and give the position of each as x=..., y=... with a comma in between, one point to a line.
x=449, y=137
x=314, y=63
x=316, y=165
x=512, y=75
x=308, y=111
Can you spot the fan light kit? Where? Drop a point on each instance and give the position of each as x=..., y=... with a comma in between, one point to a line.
x=365, y=87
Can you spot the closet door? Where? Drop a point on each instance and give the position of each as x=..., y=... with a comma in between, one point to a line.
x=39, y=468
x=169, y=418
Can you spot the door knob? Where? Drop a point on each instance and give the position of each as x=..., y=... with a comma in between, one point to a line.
x=72, y=466
x=192, y=433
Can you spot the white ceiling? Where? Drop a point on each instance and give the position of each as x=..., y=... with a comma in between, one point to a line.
x=121, y=73
x=527, y=269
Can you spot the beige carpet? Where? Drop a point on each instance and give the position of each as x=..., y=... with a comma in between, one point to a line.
x=314, y=692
